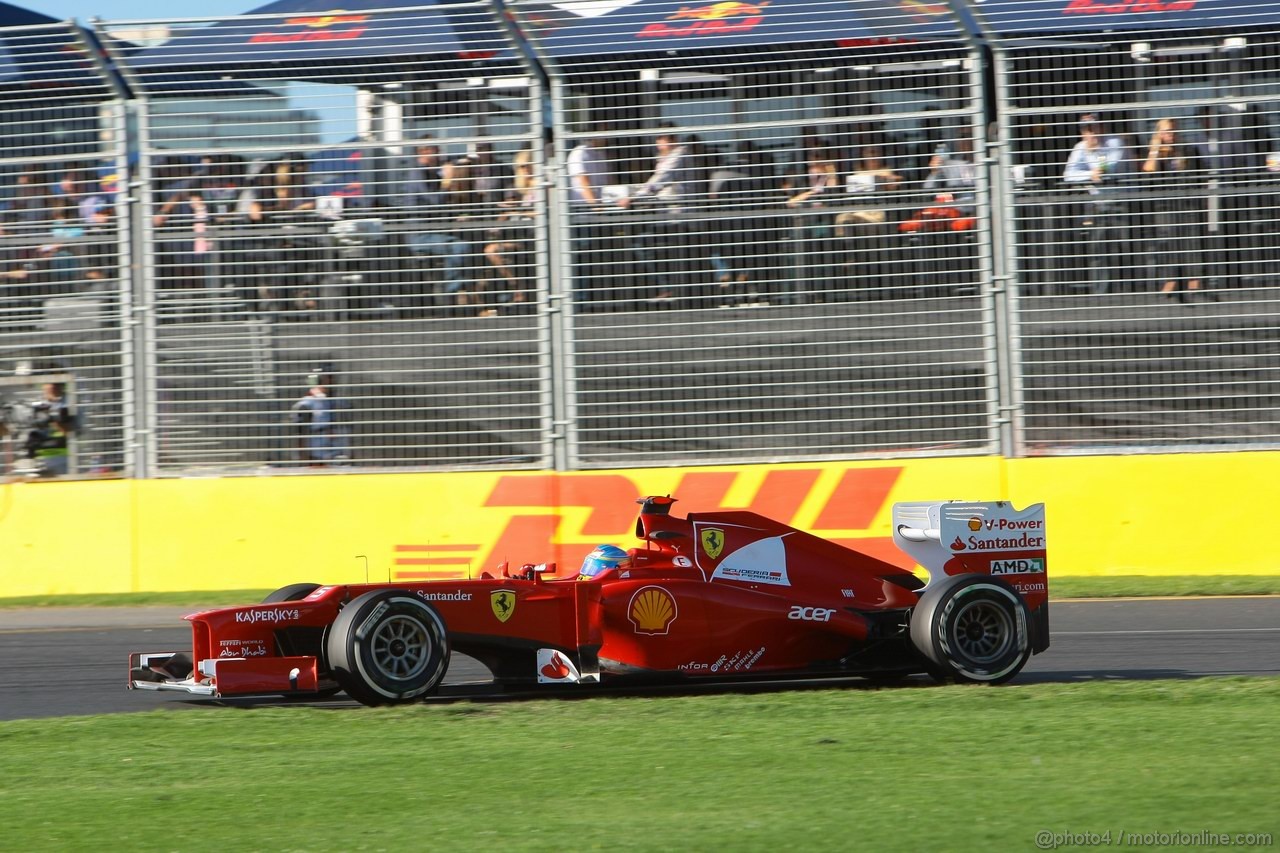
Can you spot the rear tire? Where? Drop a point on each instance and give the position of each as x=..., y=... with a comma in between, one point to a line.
x=388, y=646
x=972, y=629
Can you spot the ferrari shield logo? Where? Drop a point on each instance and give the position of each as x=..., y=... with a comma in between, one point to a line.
x=712, y=539
x=503, y=602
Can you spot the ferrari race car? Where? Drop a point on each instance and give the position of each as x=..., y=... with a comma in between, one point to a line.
x=718, y=595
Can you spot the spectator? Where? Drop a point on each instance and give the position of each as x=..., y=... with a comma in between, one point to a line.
x=941, y=236
x=1097, y=159
x=222, y=184
x=462, y=201
x=63, y=262
x=669, y=173
x=485, y=173
x=747, y=255
x=955, y=173
x=283, y=187
x=1176, y=166
x=253, y=261
x=323, y=440
x=511, y=245
x=872, y=175
x=697, y=170
x=588, y=172
x=101, y=255
x=186, y=252
x=814, y=231
x=32, y=201
x=1097, y=163
x=661, y=247
x=820, y=175
x=867, y=252
x=700, y=258
x=430, y=206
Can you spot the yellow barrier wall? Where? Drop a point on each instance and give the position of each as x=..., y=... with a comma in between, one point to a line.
x=1172, y=514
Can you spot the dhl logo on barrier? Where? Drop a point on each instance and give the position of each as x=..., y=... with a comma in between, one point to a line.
x=538, y=526
x=1122, y=7
x=711, y=20
x=317, y=28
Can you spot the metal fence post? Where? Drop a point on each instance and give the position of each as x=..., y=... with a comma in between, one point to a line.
x=999, y=248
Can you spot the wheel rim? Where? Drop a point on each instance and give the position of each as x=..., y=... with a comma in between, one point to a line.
x=401, y=648
x=983, y=631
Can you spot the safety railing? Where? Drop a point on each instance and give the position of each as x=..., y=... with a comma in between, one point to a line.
x=64, y=256
x=1143, y=202
x=596, y=235
x=344, y=266
x=772, y=243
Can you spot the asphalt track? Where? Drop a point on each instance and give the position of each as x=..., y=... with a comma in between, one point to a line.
x=69, y=661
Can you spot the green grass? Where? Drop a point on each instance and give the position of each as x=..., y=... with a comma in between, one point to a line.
x=1122, y=586
x=949, y=768
x=1068, y=587
x=215, y=598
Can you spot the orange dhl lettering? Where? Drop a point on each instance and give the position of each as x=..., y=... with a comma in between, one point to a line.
x=853, y=505
x=710, y=20
x=1122, y=7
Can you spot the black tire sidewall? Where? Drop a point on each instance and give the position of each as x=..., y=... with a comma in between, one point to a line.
x=932, y=626
x=292, y=592
x=350, y=653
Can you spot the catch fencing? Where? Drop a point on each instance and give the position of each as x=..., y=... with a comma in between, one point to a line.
x=340, y=251
x=1143, y=205
x=590, y=235
x=774, y=241
x=64, y=288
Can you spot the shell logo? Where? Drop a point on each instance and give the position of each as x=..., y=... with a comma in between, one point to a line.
x=652, y=610
x=975, y=524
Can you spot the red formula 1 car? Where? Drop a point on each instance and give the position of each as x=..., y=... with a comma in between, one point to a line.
x=722, y=595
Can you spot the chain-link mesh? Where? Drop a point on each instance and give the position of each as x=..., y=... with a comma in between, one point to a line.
x=1146, y=173
x=755, y=231
x=773, y=241
x=63, y=291
x=342, y=223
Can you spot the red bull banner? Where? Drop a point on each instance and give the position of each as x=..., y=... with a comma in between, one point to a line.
x=713, y=19
x=314, y=28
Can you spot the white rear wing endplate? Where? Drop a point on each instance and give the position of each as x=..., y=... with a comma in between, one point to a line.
x=933, y=532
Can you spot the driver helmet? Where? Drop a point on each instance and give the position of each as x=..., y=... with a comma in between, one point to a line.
x=603, y=558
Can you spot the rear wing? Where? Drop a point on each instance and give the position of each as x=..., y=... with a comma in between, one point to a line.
x=992, y=538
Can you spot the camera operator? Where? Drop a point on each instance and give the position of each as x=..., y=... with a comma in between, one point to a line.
x=44, y=428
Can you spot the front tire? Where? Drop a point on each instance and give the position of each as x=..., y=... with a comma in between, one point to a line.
x=972, y=629
x=292, y=592
x=297, y=592
x=388, y=647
